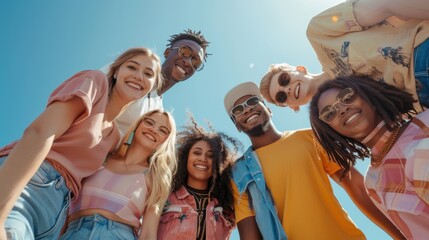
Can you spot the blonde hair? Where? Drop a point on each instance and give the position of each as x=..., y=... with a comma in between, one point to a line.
x=127, y=55
x=162, y=162
x=264, y=86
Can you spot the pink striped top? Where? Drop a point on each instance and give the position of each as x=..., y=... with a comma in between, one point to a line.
x=123, y=195
x=399, y=187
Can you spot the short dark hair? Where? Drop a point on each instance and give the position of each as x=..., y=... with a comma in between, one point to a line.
x=193, y=36
x=389, y=102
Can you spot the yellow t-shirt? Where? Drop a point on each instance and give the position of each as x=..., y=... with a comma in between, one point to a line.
x=297, y=177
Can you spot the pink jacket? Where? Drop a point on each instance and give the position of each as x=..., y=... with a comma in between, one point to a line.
x=179, y=219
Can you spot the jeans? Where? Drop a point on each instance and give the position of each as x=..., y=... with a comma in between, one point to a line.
x=97, y=227
x=421, y=71
x=41, y=210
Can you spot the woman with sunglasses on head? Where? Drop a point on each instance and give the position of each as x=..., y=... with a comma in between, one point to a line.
x=355, y=118
x=68, y=142
x=201, y=204
x=124, y=199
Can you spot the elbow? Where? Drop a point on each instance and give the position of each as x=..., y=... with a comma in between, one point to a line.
x=38, y=133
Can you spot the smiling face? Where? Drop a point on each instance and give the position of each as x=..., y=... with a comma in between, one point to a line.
x=135, y=77
x=200, y=165
x=178, y=68
x=254, y=120
x=290, y=88
x=355, y=120
x=152, y=131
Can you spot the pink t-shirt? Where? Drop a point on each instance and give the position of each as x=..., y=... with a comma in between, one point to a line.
x=122, y=194
x=81, y=150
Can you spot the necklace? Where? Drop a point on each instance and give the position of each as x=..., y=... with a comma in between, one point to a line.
x=376, y=159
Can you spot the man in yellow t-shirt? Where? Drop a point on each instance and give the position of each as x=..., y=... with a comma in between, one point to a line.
x=295, y=172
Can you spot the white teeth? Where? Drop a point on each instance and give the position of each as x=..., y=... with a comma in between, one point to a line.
x=150, y=137
x=351, y=118
x=181, y=70
x=251, y=118
x=201, y=167
x=297, y=91
x=133, y=85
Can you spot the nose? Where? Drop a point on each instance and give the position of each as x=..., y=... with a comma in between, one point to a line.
x=247, y=109
x=154, y=130
x=187, y=61
x=342, y=109
x=139, y=76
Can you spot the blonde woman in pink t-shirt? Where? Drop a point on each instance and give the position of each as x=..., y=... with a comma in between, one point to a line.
x=69, y=140
x=125, y=196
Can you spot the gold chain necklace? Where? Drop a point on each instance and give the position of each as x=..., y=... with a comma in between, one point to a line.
x=376, y=159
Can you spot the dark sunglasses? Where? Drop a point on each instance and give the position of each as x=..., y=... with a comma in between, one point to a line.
x=283, y=80
x=346, y=97
x=237, y=110
x=186, y=52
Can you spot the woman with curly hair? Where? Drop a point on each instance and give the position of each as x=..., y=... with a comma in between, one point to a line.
x=355, y=118
x=201, y=205
x=132, y=186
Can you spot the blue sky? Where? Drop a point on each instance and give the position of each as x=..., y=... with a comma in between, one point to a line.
x=44, y=42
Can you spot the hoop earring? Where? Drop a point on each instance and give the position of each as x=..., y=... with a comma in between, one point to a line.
x=130, y=138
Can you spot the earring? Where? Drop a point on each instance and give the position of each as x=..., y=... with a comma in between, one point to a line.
x=130, y=138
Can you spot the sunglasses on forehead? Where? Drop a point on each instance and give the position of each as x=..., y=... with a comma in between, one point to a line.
x=283, y=80
x=238, y=109
x=346, y=97
x=187, y=53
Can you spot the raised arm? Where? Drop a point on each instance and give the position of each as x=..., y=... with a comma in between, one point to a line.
x=354, y=186
x=370, y=12
x=29, y=153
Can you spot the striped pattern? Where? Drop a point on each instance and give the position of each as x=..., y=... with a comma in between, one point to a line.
x=123, y=195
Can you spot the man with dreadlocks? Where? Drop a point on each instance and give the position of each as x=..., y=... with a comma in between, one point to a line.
x=185, y=54
x=201, y=204
x=282, y=185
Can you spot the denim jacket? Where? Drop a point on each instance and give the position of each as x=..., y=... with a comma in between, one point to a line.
x=247, y=175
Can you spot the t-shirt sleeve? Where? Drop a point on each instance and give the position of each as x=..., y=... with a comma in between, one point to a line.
x=241, y=204
x=330, y=167
x=90, y=86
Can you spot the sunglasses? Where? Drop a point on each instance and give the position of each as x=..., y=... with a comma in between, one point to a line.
x=237, y=110
x=283, y=80
x=150, y=123
x=186, y=52
x=346, y=97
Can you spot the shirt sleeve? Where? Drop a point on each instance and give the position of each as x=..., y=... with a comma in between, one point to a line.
x=333, y=22
x=329, y=166
x=90, y=86
x=241, y=204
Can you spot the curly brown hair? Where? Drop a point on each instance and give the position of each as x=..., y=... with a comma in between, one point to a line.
x=389, y=102
x=225, y=149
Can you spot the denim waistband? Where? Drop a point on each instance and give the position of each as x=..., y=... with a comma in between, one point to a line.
x=98, y=219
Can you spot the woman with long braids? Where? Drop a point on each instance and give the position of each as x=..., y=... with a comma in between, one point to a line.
x=355, y=118
x=201, y=205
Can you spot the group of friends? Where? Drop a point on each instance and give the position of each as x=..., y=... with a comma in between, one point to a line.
x=105, y=161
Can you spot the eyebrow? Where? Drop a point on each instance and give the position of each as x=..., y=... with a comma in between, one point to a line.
x=148, y=68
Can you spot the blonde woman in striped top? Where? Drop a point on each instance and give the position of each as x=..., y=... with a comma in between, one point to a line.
x=123, y=199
